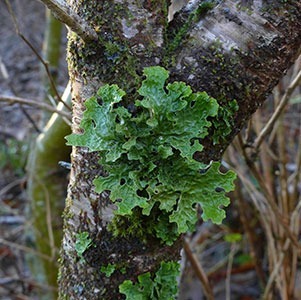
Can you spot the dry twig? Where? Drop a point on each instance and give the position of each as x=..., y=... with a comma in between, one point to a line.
x=199, y=271
x=43, y=62
x=269, y=126
x=35, y=103
x=25, y=249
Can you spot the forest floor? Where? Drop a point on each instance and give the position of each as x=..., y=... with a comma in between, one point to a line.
x=20, y=75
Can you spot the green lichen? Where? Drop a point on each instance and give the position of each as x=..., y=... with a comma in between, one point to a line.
x=158, y=286
x=82, y=243
x=223, y=122
x=108, y=270
x=148, y=153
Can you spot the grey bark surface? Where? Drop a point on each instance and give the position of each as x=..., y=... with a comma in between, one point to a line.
x=235, y=50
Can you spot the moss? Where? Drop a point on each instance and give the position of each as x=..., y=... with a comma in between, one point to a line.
x=156, y=226
x=203, y=8
x=178, y=34
x=114, y=56
x=222, y=65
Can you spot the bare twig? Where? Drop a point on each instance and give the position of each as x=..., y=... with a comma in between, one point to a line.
x=11, y=185
x=12, y=100
x=200, y=273
x=33, y=283
x=25, y=249
x=280, y=218
x=43, y=62
x=273, y=275
x=295, y=226
x=229, y=270
x=282, y=154
x=7, y=78
x=3, y=70
x=295, y=177
x=269, y=126
x=64, y=14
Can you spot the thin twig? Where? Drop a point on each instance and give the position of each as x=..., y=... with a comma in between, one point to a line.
x=35, y=103
x=3, y=70
x=282, y=154
x=12, y=220
x=229, y=270
x=43, y=62
x=268, y=197
x=23, y=110
x=295, y=226
x=38, y=285
x=25, y=249
x=198, y=269
x=275, y=272
x=66, y=15
x=295, y=177
x=269, y=126
x=11, y=185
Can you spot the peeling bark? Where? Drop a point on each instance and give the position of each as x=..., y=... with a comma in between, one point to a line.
x=234, y=50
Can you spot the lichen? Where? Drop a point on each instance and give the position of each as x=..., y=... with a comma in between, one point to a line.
x=148, y=153
x=82, y=243
x=158, y=285
x=108, y=270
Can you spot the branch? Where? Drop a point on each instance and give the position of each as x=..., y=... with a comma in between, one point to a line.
x=25, y=249
x=269, y=126
x=35, y=103
x=64, y=14
x=231, y=54
x=199, y=271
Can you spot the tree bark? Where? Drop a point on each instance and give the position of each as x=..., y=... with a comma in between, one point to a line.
x=232, y=50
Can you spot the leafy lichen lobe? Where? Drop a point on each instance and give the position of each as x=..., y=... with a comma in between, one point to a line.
x=148, y=153
x=163, y=285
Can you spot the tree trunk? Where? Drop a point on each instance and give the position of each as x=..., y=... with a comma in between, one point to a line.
x=232, y=50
